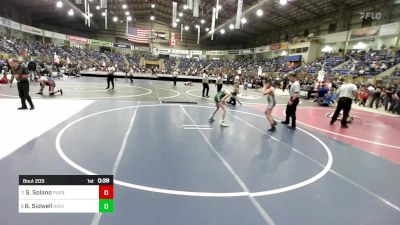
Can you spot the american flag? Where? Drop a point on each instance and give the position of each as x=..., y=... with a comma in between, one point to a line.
x=138, y=35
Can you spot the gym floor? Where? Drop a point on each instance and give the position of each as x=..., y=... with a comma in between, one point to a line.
x=172, y=167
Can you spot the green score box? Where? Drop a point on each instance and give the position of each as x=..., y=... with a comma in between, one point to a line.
x=106, y=205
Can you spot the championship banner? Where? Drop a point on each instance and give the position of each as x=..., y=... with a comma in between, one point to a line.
x=103, y=4
x=141, y=48
x=389, y=29
x=190, y=4
x=239, y=14
x=284, y=46
x=117, y=45
x=100, y=43
x=233, y=52
x=59, y=36
x=31, y=30
x=172, y=40
x=364, y=32
x=213, y=24
x=196, y=8
x=160, y=35
x=79, y=40
x=276, y=46
x=174, y=10
x=47, y=34
x=9, y=23
x=216, y=6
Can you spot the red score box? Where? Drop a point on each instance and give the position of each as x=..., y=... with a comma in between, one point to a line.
x=106, y=191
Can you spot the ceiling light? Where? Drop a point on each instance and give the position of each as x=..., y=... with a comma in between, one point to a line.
x=283, y=2
x=103, y=14
x=126, y=13
x=186, y=27
x=178, y=20
x=207, y=29
x=202, y=21
x=59, y=4
x=243, y=20
x=222, y=31
x=219, y=7
x=259, y=12
x=115, y=19
x=124, y=6
x=180, y=14
x=153, y=6
x=90, y=14
x=197, y=26
x=151, y=17
x=231, y=26
x=185, y=7
x=71, y=12
x=174, y=24
x=129, y=18
x=98, y=7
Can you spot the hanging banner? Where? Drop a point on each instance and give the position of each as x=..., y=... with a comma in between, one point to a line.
x=364, y=32
x=198, y=35
x=190, y=4
x=47, y=33
x=31, y=30
x=100, y=43
x=196, y=8
x=284, y=46
x=389, y=29
x=174, y=9
x=160, y=35
x=9, y=23
x=180, y=52
x=181, y=32
x=172, y=40
x=239, y=14
x=213, y=24
x=59, y=36
x=262, y=49
x=117, y=45
x=196, y=52
x=141, y=48
x=233, y=52
x=79, y=40
x=248, y=51
x=103, y=4
x=216, y=6
x=259, y=72
x=275, y=46
x=164, y=51
x=214, y=52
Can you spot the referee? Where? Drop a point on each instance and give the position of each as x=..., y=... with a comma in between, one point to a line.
x=346, y=93
x=21, y=74
x=291, y=107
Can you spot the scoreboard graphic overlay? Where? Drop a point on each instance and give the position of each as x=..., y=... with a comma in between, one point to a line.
x=66, y=194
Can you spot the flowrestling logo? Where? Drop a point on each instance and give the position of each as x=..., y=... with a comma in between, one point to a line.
x=370, y=15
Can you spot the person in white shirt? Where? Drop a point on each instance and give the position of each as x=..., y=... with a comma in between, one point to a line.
x=131, y=73
x=346, y=93
x=110, y=77
x=205, y=82
x=291, y=107
x=175, y=76
x=219, y=82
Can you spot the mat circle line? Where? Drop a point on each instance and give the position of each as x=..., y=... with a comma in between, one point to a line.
x=316, y=177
